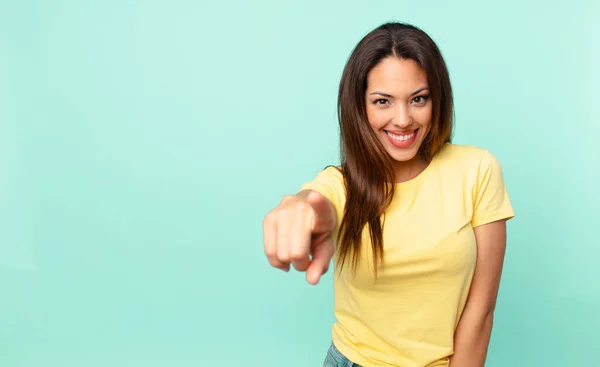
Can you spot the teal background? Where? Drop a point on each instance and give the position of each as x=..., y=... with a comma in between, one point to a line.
x=141, y=144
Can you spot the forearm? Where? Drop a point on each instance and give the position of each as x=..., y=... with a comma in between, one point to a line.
x=471, y=340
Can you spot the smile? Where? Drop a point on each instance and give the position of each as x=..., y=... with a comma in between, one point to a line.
x=401, y=137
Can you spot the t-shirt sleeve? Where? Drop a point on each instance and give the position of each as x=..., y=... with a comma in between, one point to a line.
x=329, y=183
x=491, y=201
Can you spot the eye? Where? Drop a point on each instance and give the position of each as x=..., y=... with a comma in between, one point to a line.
x=380, y=102
x=421, y=99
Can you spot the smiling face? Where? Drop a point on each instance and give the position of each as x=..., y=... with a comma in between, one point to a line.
x=399, y=107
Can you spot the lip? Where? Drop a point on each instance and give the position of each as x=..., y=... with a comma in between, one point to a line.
x=404, y=143
x=402, y=132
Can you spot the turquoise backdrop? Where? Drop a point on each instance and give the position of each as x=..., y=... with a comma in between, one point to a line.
x=142, y=142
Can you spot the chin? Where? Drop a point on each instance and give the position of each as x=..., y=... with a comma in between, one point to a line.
x=403, y=156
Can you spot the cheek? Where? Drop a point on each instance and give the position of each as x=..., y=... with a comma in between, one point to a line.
x=377, y=118
x=424, y=117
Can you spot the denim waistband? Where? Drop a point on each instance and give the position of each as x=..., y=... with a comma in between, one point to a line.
x=335, y=358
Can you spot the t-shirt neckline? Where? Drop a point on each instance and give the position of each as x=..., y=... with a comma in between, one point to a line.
x=421, y=176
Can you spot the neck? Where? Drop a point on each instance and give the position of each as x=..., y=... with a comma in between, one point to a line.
x=407, y=170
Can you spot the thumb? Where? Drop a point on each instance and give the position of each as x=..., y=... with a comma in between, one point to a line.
x=321, y=257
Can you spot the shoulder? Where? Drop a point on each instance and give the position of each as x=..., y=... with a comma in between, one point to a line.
x=330, y=177
x=329, y=182
x=330, y=174
x=465, y=157
x=333, y=171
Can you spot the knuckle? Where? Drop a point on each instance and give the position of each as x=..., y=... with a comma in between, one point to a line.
x=283, y=255
x=270, y=217
x=293, y=207
x=287, y=198
x=300, y=266
x=271, y=252
x=297, y=254
x=273, y=260
x=306, y=208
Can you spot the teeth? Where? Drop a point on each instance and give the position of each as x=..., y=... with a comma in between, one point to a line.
x=401, y=137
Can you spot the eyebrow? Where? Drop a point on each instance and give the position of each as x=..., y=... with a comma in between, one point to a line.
x=390, y=96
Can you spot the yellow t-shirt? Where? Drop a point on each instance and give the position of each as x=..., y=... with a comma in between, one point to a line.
x=407, y=317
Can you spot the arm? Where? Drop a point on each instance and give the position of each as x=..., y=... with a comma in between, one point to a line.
x=473, y=332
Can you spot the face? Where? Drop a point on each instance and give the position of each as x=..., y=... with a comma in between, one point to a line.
x=399, y=106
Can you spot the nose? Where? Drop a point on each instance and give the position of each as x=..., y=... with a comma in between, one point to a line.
x=402, y=118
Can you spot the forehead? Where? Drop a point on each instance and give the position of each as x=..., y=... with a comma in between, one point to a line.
x=396, y=75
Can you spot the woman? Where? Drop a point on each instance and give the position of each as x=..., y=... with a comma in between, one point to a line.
x=415, y=224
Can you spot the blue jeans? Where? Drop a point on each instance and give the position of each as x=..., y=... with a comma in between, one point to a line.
x=336, y=359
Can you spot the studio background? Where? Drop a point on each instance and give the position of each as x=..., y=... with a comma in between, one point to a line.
x=141, y=144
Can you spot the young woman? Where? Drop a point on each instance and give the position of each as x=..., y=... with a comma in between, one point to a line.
x=414, y=223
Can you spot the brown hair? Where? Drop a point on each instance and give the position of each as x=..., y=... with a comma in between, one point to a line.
x=366, y=166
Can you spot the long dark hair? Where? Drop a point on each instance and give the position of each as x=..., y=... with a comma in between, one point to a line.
x=366, y=166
